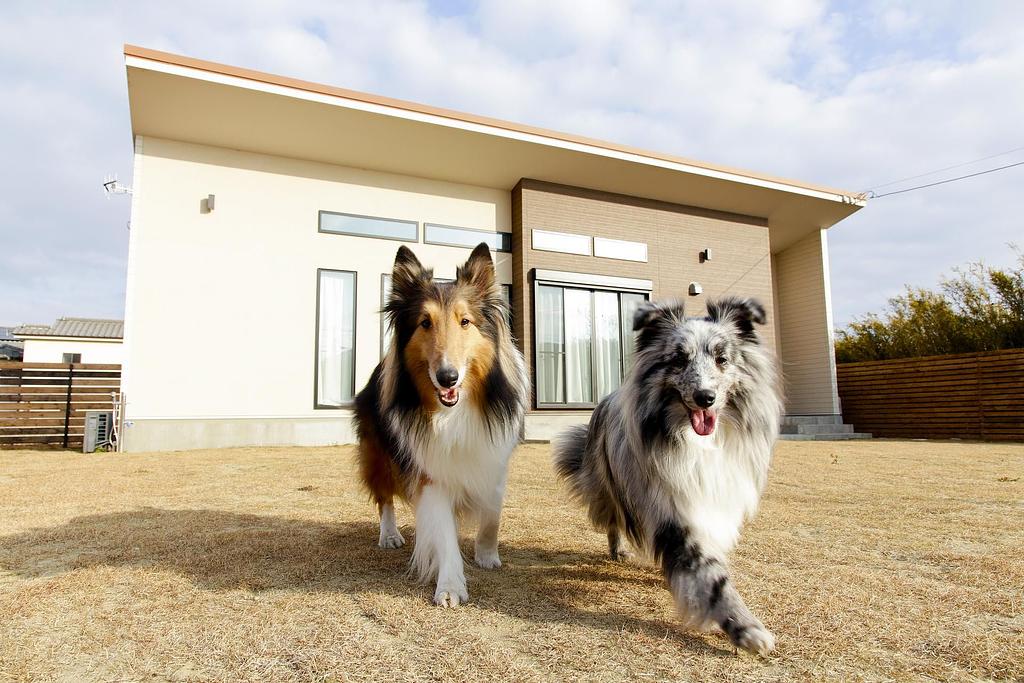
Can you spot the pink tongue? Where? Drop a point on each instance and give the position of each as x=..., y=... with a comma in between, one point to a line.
x=449, y=394
x=703, y=421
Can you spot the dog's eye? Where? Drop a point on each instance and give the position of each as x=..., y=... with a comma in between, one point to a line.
x=722, y=360
x=425, y=324
x=465, y=322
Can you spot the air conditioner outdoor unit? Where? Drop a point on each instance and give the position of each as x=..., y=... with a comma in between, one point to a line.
x=99, y=426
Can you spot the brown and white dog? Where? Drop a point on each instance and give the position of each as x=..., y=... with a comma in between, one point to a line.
x=441, y=414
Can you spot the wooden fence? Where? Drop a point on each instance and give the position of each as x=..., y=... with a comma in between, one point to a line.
x=44, y=404
x=964, y=396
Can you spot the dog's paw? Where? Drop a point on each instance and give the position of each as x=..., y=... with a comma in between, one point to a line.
x=450, y=596
x=756, y=639
x=393, y=539
x=625, y=556
x=487, y=559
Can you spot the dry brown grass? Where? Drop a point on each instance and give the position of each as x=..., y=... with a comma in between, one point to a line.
x=870, y=561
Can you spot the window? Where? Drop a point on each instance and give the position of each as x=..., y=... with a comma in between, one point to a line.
x=447, y=235
x=564, y=242
x=506, y=294
x=72, y=358
x=584, y=344
x=334, y=381
x=368, y=226
x=622, y=250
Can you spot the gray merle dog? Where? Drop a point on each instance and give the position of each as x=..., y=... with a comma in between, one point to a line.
x=676, y=459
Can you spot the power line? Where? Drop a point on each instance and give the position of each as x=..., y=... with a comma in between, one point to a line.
x=871, y=195
x=747, y=271
x=947, y=168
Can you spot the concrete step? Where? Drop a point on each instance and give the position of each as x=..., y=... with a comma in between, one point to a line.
x=817, y=429
x=812, y=419
x=845, y=436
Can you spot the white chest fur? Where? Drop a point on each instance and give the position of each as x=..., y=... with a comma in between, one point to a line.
x=464, y=455
x=714, y=488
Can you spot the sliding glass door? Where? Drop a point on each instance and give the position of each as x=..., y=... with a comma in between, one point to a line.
x=584, y=343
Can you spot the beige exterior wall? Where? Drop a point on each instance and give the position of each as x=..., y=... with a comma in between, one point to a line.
x=240, y=283
x=805, y=324
x=53, y=350
x=740, y=263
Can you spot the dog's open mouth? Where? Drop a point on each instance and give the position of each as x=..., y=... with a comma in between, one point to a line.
x=448, y=397
x=703, y=421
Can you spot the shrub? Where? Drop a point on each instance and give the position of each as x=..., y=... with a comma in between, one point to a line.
x=979, y=309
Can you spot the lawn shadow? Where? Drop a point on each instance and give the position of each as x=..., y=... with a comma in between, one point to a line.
x=220, y=550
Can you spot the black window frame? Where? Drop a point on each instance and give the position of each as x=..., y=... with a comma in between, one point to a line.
x=505, y=237
x=316, y=343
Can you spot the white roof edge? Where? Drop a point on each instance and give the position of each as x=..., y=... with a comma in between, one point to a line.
x=58, y=337
x=434, y=119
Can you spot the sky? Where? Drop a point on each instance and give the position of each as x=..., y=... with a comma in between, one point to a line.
x=845, y=94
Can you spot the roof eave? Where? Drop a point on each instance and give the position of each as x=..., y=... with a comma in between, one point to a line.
x=57, y=337
x=147, y=58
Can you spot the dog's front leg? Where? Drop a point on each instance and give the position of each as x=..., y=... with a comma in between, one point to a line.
x=703, y=592
x=436, y=553
x=486, y=549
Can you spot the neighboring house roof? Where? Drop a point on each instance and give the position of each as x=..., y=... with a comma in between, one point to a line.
x=94, y=328
x=6, y=333
x=23, y=330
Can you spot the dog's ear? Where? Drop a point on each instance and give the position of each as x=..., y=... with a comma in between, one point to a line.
x=740, y=313
x=652, y=317
x=408, y=274
x=478, y=270
x=650, y=312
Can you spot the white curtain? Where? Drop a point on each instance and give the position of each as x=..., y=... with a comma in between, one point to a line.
x=550, y=345
x=629, y=303
x=607, y=343
x=578, y=325
x=336, y=338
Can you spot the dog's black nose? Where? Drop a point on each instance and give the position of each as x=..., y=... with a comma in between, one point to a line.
x=447, y=377
x=704, y=397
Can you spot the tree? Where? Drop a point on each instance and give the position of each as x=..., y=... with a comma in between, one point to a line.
x=979, y=309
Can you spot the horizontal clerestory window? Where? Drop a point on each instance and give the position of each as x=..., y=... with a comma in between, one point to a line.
x=451, y=236
x=369, y=226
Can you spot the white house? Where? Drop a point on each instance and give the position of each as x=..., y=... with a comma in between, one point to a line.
x=268, y=208
x=73, y=340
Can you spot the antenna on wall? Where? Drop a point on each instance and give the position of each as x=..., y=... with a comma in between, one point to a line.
x=112, y=186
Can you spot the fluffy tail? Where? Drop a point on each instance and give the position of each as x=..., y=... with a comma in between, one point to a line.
x=568, y=450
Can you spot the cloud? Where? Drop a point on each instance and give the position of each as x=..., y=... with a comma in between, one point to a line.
x=845, y=94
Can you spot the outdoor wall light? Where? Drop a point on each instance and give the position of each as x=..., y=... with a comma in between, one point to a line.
x=695, y=289
x=705, y=255
x=210, y=199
